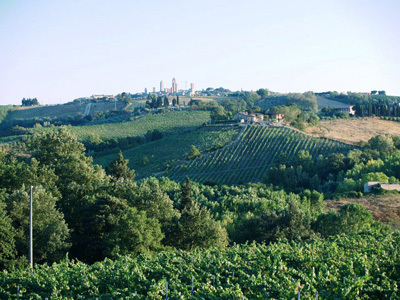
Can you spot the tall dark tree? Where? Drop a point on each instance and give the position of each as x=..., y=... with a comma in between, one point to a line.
x=186, y=200
x=196, y=228
x=159, y=101
x=166, y=102
x=119, y=169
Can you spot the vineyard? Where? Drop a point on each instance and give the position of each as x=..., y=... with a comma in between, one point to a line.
x=173, y=122
x=249, y=157
x=365, y=266
x=170, y=151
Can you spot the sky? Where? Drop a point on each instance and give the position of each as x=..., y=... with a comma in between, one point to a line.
x=57, y=51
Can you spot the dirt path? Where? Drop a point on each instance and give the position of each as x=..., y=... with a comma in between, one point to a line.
x=87, y=109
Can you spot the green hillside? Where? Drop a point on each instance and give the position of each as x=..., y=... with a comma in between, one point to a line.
x=172, y=122
x=151, y=158
x=325, y=102
x=249, y=157
x=306, y=100
x=60, y=111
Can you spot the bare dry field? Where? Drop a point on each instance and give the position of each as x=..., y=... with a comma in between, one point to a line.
x=353, y=131
x=384, y=208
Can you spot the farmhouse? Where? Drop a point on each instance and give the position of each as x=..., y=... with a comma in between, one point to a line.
x=274, y=117
x=240, y=116
x=254, y=118
x=345, y=109
x=244, y=117
x=385, y=186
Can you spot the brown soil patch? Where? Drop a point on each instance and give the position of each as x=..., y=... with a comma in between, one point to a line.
x=384, y=208
x=354, y=131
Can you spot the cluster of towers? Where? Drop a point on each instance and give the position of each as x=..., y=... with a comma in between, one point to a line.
x=174, y=89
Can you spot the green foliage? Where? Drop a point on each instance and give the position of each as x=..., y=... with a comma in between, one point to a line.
x=7, y=238
x=187, y=200
x=343, y=267
x=193, y=153
x=4, y=110
x=113, y=226
x=133, y=233
x=291, y=224
x=352, y=219
x=30, y=102
x=50, y=231
x=263, y=93
x=150, y=197
x=119, y=169
x=382, y=143
x=196, y=228
x=307, y=101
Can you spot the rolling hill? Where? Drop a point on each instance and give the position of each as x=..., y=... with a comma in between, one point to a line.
x=62, y=110
x=228, y=156
x=155, y=157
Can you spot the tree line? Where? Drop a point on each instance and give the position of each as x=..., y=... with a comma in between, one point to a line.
x=154, y=101
x=29, y=102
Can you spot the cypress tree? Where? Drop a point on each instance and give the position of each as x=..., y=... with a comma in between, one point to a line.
x=186, y=200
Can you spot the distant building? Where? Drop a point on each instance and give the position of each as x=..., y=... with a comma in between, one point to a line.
x=240, y=116
x=161, y=86
x=254, y=118
x=145, y=91
x=174, y=86
x=244, y=117
x=154, y=89
x=274, y=117
x=192, y=87
x=102, y=96
x=345, y=109
x=385, y=186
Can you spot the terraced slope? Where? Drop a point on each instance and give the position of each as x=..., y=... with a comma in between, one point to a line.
x=248, y=158
x=152, y=158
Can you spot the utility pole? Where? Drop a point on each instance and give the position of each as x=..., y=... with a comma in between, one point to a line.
x=31, y=231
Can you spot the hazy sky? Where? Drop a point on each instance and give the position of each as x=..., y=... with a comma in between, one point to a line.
x=60, y=50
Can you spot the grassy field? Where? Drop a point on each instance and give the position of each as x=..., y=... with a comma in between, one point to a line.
x=384, y=208
x=248, y=158
x=324, y=102
x=172, y=150
x=59, y=111
x=354, y=130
